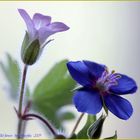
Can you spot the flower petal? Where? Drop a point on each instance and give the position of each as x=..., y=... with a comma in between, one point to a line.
x=57, y=27
x=88, y=101
x=95, y=68
x=118, y=106
x=52, y=28
x=41, y=20
x=44, y=33
x=80, y=73
x=29, y=23
x=125, y=85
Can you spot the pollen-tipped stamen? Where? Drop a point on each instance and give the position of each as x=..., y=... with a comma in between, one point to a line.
x=107, y=80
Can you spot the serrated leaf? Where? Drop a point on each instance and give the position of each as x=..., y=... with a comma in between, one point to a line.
x=54, y=92
x=12, y=73
x=83, y=132
x=95, y=130
x=113, y=137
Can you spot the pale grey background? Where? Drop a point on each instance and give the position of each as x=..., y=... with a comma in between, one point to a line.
x=106, y=32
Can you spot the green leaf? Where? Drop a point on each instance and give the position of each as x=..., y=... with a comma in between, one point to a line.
x=83, y=132
x=66, y=116
x=54, y=92
x=12, y=74
x=95, y=130
x=113, y=137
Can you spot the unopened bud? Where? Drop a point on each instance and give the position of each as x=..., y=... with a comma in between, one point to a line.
x=95, y=130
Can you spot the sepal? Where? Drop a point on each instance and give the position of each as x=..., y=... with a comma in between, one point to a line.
x=30, y=50
x=95, y=130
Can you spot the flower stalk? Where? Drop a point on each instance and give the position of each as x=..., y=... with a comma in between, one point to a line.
x=76, y=125
x=46, y=122
x=21, y=101
x=22, y=89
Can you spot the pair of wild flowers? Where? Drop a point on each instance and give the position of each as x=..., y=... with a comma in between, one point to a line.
x=100, y=88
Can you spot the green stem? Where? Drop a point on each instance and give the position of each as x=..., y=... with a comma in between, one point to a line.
x=21, y=101
x=19, y=130
x=76, y=125
x=22, y=89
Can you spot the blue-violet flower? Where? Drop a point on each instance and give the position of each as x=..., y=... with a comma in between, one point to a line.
x=101, y=88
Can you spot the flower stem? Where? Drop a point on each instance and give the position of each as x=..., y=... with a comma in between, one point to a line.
x=76, y=125
x=21, y=101
x=22, y=89
x=29, y=116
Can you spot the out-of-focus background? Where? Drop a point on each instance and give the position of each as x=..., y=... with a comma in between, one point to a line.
x=105, y=32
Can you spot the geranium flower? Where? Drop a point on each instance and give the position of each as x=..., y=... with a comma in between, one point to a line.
x=40, y=26
x=101, y=88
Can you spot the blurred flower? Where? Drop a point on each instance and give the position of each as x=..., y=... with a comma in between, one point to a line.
x=40, y=27
x=38, y=30
x=101, y=88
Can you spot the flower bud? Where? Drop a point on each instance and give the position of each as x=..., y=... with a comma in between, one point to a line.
x=30, y=50
x=95, y=130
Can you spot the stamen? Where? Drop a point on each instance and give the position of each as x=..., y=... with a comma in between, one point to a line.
x=107, y=80
x=104, y=76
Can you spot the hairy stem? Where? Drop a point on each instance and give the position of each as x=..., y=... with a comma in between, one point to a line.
x=46, y=122
x=21, y=101
x=76, y=125
x=22, y=89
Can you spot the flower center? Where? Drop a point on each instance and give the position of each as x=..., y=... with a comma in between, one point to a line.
x=107, y=80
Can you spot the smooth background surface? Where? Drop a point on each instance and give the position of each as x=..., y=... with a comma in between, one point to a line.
x=105, y=32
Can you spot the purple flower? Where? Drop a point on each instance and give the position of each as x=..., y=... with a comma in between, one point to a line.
x=101, y=87
x=40, y=26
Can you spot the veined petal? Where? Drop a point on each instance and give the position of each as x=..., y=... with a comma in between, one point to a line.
x=125, y=85
x=95, y=68
x=88, y=101
x=41, y=20
x=44, y=33
x=118, y=106
x=57, y=27
x=79, y=72
x=29, y=23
